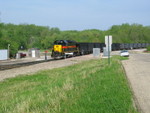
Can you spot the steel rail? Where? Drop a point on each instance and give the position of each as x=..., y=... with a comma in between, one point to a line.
x=17, y=65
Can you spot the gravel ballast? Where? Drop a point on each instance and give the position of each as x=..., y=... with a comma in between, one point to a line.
x=42, y=66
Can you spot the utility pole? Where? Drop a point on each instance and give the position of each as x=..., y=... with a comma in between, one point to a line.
x=8, y=51
x=108, y=51
x=0, y=17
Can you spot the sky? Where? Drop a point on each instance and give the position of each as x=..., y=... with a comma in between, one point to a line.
x=75, y=14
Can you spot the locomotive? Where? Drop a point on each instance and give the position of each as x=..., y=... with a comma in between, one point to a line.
x=66, y=48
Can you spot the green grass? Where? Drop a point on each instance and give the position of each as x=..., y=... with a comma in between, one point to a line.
x=89, y=87
x=123, y=58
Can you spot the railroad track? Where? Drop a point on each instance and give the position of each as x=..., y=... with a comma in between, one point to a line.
x=17, y=65
x=21, y=64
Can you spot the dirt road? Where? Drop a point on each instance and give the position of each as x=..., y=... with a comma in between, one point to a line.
x=138, y=73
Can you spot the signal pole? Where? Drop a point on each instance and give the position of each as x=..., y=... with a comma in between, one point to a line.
x=108, y=52
x=0, y=17
x=8, y=51
x=108, y=42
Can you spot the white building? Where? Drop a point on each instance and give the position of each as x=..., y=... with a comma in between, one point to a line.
x=3, y=54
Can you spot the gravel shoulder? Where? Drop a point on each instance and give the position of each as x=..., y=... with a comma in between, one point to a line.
x=138, y=73
x=42, y=66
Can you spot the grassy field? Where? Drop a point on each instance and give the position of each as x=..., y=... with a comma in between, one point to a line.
x=88, y=87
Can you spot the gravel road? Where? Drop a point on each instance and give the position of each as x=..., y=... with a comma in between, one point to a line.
x=138, y=73
x=42, y=66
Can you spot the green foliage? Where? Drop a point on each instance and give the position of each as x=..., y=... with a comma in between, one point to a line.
x=32, y=36
x=126, y=33
x=89, y=87
x=148, y=48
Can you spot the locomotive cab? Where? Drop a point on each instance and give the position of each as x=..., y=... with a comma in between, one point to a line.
x=64, y=48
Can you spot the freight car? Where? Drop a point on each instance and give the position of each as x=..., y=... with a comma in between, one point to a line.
x=87, y=48
x=66, y=48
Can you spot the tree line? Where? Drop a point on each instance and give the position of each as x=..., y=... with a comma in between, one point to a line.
x=26, y=36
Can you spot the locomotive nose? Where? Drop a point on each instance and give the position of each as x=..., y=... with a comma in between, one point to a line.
x=58, y=48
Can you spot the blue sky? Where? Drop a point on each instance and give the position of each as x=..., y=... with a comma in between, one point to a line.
x=75, y=14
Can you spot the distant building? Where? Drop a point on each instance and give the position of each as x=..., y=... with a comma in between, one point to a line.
x=3, y=54
x=34, y=52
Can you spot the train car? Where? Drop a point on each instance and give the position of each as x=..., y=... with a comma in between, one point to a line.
x=143, y=45
x=87, y=48
x=102, y=45
x=131, y=45
x=147, y=44
x=126, y=46
x=64, y=48
x=83, y=48
x=90, y=47
x=135, y=46
x=122, y=46
x=139, y=45
x=115, y=46
x=97, y=45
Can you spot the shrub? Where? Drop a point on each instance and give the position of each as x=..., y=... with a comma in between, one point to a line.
x=148, y=48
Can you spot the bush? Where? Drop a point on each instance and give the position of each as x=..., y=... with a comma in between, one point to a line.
x=148, y=48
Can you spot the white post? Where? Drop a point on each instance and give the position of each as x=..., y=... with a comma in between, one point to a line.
x=108, y=42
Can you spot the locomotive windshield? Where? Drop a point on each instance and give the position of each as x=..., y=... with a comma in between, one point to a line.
x=59, y=42
x=64, y=42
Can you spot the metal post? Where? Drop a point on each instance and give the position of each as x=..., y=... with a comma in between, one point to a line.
x=46, y=55
x=108, y=51
x=8, y=51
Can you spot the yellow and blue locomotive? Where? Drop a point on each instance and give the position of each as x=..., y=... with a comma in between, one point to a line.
x=64, y=48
